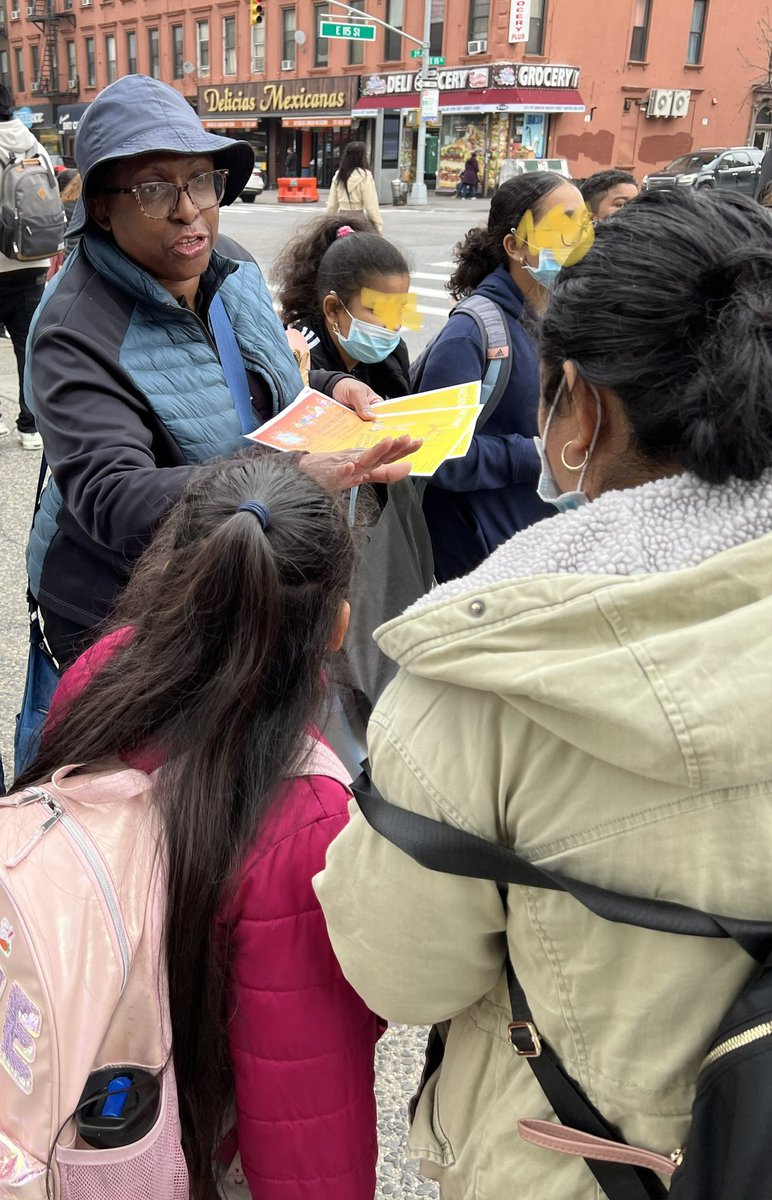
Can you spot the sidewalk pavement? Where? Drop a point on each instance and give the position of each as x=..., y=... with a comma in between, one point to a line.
x=435, y=203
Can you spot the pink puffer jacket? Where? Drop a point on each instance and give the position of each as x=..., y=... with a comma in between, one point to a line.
x=302, y=1041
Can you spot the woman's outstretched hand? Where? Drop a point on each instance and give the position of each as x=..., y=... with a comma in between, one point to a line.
x=349, y=468
x=358, y=396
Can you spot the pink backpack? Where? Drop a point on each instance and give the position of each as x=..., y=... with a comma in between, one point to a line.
x=82, y=984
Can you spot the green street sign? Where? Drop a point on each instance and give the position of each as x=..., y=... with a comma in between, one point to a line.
x=434, y=61
x=350, y=33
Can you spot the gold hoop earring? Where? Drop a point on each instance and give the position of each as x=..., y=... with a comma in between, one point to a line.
x=568, y=466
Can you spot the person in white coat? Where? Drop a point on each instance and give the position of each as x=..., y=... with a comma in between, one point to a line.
x=353, y=187
x=21, y=284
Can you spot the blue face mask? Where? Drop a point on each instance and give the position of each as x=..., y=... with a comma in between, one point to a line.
x=547, y=271
x=548, y=488
x=367, y=343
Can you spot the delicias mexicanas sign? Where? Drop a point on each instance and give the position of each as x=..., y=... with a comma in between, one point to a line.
x=266, y=99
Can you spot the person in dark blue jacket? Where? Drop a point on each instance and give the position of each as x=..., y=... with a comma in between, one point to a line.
x=475, y=503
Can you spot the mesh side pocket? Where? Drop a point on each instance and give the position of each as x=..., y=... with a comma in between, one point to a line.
x=151, y=1169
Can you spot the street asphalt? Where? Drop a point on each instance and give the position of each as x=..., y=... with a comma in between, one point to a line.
x=427, y=236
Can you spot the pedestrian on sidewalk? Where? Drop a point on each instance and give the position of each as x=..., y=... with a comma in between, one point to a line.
x=353, y=186
x=212, y=676
x=468, y=183
x=597, y=696
x=21, y=284
x=130, y=403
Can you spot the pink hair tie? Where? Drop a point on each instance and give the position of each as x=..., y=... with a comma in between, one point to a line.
x=344, y=231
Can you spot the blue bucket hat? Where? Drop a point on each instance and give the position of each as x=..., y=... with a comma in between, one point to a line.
x=138, y=115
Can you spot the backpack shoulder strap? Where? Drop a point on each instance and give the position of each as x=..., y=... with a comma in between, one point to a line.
x=317, y=758
x=497, y=349
x=446, y=848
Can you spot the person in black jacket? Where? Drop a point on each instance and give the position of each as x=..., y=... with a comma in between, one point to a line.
x=346, y=289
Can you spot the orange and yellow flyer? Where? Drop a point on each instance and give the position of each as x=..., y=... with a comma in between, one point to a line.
x=445, y=422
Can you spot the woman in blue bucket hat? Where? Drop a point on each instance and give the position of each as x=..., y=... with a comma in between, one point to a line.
x=129, y=372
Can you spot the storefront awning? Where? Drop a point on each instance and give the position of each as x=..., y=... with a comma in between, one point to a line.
x=536, y=100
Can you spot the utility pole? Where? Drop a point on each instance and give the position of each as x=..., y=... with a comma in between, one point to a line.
x=418, y=195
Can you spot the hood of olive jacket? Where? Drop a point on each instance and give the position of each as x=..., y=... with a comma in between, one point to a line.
x=576, y=624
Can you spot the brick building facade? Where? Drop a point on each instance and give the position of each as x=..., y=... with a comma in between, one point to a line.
x=629, y=83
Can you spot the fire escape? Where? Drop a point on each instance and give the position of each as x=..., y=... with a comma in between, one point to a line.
x=50, y=21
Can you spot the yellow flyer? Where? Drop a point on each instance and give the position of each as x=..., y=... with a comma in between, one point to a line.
x=461, y=395
x=318, y=424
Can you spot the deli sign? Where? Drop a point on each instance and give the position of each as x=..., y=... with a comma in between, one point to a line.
x=519, y=20
x=451, y=79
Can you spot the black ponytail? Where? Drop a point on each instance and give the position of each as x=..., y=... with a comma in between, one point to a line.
x=672, y=311
x=296, y=269
x=482, y=250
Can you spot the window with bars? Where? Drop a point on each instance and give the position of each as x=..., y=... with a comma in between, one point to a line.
x=479, y=15
x=154, y=53
x=258, y=48
x=697, y=32
x=131, y=52
x=288, y=27
x=356, y=50
x=178, y=56
x=321, y=45
x=437, y=27
x=88, y=45
x=639, y=42
x=392, y=42
x=111, y=67
x=202, y=47
x=229, y=45
x=535, y=43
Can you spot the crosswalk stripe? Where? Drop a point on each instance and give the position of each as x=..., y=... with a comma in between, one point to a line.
x=432, y=312
x=448, y=266
x=430, y=275
x=433, y=293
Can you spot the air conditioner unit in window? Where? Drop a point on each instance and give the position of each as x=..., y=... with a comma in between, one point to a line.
x=680, y=106
x=34, y=86
x=72, y=83
x=14, y=14
x=660, y=102
x=476, y=47
x=86, y=3
x=30, y=10
x=288, y=64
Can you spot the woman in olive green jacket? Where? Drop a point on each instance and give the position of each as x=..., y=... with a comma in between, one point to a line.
x=596, y=694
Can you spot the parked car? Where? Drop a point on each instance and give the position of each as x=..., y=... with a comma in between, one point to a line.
x=737, y=167
x=255, y=187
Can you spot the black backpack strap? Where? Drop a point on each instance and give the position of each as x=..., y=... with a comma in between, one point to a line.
x=32, y=603
x=442, y=847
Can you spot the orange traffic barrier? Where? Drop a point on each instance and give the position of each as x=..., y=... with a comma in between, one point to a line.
x=298, y=191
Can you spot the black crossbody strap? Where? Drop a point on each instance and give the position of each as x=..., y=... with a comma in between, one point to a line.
x=32, y=603
x=619, y=1181
x=442, y=847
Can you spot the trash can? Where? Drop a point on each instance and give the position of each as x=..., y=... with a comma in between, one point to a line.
x=399, y=191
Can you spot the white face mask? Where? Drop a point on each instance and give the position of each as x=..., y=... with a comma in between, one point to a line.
x=547, y=488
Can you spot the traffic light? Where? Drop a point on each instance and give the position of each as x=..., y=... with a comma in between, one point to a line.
x=255, y=12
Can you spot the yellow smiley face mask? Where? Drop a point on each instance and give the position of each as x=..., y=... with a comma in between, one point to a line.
x=567, y=237
x=393, y=310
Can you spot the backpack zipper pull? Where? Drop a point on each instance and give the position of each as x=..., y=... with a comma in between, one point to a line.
x=55, y=812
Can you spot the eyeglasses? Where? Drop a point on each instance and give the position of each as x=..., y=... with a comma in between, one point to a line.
x=159, y=200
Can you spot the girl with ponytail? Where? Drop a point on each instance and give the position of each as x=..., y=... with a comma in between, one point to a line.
x=214, y=675
x=472, y=504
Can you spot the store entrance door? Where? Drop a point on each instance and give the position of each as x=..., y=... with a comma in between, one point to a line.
x=328, y=145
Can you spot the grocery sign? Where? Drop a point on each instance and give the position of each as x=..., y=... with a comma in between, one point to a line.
x=519, y=20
